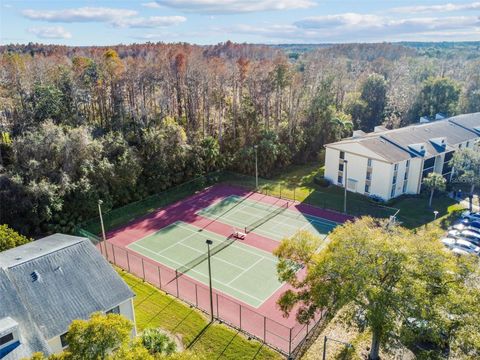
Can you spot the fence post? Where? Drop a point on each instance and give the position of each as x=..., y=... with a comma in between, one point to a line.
x=113, y=252
x=143, y=269
x=159, y=277
x=264, y=329
x=128, y=262
x=196, y=295
x=290, y=344
x=176, y=280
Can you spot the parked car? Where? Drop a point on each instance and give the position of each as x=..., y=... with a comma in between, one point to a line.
x=460, y=245
x=472, y=216
x=466, y=235
x=463, y=226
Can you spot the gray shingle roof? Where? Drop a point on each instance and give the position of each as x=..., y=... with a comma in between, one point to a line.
x=12, y=306
x=72, y=281
x=394, y=145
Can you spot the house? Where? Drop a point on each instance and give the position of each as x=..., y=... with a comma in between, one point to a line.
x=388, y=163
x=48, y=283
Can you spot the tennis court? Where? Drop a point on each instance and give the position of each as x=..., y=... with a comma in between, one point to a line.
x=241, y=271
x=274, y=221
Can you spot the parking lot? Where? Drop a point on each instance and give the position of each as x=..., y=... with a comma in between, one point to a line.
x=463, y=237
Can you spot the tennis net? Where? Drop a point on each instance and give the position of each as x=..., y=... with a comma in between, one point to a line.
x=263, y=220
x=198, y=260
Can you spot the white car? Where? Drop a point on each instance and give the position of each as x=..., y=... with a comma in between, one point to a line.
x=463, y=227
x=459, y=245
x=472, y=216
x=466, y=235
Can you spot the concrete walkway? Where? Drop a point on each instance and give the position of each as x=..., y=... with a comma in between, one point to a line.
x=465, y=201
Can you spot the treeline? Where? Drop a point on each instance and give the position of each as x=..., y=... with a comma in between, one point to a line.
x=119, y=123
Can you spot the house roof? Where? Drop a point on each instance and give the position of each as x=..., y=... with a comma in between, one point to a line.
x=31, y=340
x=61, y=278
x=403, y=143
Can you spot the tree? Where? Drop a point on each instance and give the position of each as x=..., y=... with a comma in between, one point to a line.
x=434, y=181
x=383, y=276
x=9, y=238
x=438, y=95
x=98, y=337
x=466, y=167
x=374, y=95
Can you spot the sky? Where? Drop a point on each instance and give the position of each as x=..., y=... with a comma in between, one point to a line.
x=90, y=22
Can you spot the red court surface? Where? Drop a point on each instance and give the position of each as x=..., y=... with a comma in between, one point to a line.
x=265, y=322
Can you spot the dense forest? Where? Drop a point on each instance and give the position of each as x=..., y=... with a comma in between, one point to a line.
x=119, y=123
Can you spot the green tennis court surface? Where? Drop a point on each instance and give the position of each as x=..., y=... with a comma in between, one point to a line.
x=240, y=213
x=239, y=270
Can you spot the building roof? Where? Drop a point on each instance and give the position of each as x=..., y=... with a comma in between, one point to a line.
x=419, y=140
x=31, y=340
x=58, y=279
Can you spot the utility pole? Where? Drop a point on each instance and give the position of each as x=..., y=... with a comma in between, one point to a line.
x=256, y=166
x=345, y=173
x=210, y=242
x=104, y=237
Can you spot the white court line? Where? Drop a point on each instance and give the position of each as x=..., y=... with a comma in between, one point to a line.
x=202, y=253
x=203, y=275
x=245, y=270
x=242, y=248
x=267, y=207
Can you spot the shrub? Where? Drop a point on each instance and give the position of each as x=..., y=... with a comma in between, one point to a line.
x=321, y=181
x=157, y=342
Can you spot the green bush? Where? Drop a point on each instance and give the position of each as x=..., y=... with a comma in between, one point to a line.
x=321, y=181
x=157, y=342
x=9, y=238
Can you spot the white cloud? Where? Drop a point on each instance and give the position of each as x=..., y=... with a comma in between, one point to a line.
x=151, y=5
x=84, y=14
x=347, y=19
x=364, y=28
x=150, y=22
x=235, y=6
x=437, y=8
x=50, y=32
x=114, y=17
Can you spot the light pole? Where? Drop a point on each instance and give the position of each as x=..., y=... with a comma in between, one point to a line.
x=435, y=213
x=255, y=147
x=345, y=165
x=210, y=242
x=104, y=237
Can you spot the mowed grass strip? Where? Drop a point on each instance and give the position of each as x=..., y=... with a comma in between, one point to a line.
x=154, y=308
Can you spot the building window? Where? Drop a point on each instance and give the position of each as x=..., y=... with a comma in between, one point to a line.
x=340, y=180
x=468, y=144
x=394, y=180
x=392, y=194
x=6, y=339
x=459, y=146
x=63, y=340
x=367, y=189
x=408, y=163
x=404, y=189
x=369, y=175
x=340, y=167
x=342, y=155
x=395, y=167
x=369, y=162
x=115, y=310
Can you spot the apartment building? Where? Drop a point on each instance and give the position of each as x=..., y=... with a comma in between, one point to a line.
x=389, y=163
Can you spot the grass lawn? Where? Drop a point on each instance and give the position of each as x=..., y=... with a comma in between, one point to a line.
x=153, y=308
x=297, y=182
